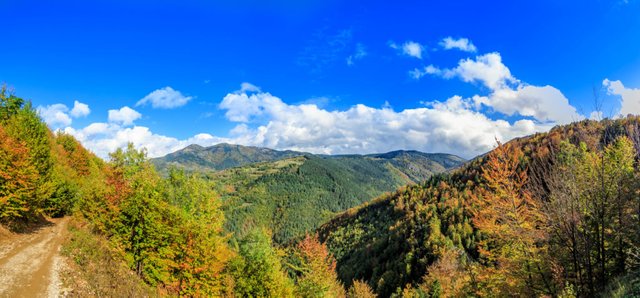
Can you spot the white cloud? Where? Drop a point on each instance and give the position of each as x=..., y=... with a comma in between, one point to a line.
x=125, y=116
x=248, y=87
x=58, y=115
x=487, y=69
x=103, y=138
x=242, y=106
x=629, y=97
x=544, y=103
x=417, y=73
x=165, y=98
x=462, y=44
x=96, y=128
x=80, y=110
x=55, y=115
x=507, y=94
x=596, y=115
x=450, y=126
x=409, y=48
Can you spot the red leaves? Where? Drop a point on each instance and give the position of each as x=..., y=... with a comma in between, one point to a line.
x=18, y=178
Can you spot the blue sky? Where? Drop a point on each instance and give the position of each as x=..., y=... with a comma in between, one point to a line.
x=320, y=76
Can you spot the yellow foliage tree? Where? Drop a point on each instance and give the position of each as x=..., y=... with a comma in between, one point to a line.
x=319, y=277
x=18, y=178
x=510, y=223
x=360, y=289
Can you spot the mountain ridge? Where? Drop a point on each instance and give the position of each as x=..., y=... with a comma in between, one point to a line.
x=222, y=156
x=380, y=240
x=294, y=192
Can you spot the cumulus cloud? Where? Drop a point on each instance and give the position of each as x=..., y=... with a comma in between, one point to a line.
x=629, y=97
x=462, y=44
x=55, y=115
x=103, y=138
x=80, y=110
x=58, y=115
x=449, y=126
x=409, y=48
x=508, y=95
x=486, y=69
x=125, y=116
x=165, y=98
x=544, y=103
x=262, y=119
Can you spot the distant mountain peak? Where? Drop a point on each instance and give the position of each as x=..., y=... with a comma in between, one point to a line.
x=416, y=165
x=219, y=156
x=192, y=147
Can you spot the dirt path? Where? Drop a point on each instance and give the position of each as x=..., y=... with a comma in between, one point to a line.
x=30, y=263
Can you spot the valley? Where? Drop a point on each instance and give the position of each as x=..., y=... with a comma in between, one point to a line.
x=294, y=195
x=320, y=149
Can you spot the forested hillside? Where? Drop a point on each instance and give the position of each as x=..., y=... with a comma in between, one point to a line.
x=39, y=170
x=218, y=157
x=551, y=214
x=137, y=233
x=416, y=165
x=294, y=195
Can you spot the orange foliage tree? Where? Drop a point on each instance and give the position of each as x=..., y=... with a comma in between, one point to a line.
x=511, y=227
x=18, y=178
x=318, y=270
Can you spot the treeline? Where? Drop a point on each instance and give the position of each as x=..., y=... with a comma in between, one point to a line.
x=167, y=230
x=40, y=172
x=295, y=196
x=555, y=214
x=170, y=231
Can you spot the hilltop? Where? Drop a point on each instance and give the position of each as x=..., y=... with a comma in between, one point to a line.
x=451, y=234
x=293, y=192
x=219, y=157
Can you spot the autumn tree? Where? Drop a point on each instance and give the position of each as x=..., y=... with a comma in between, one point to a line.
x=360, y=289
x=316, y=270
x=258, y=271
x=21, y=123
x=450, y=275
x=200, y=245
x=510, y=223
x=18, y=179
x=592, y=212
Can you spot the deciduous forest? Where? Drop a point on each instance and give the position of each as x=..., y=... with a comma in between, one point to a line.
x=553, y=214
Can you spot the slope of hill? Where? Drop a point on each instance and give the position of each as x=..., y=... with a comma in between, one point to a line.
x=553, y=214
x=164, y=233
x=572, y=196
x=418, y=165
x=218, y=157
x=295, y=195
